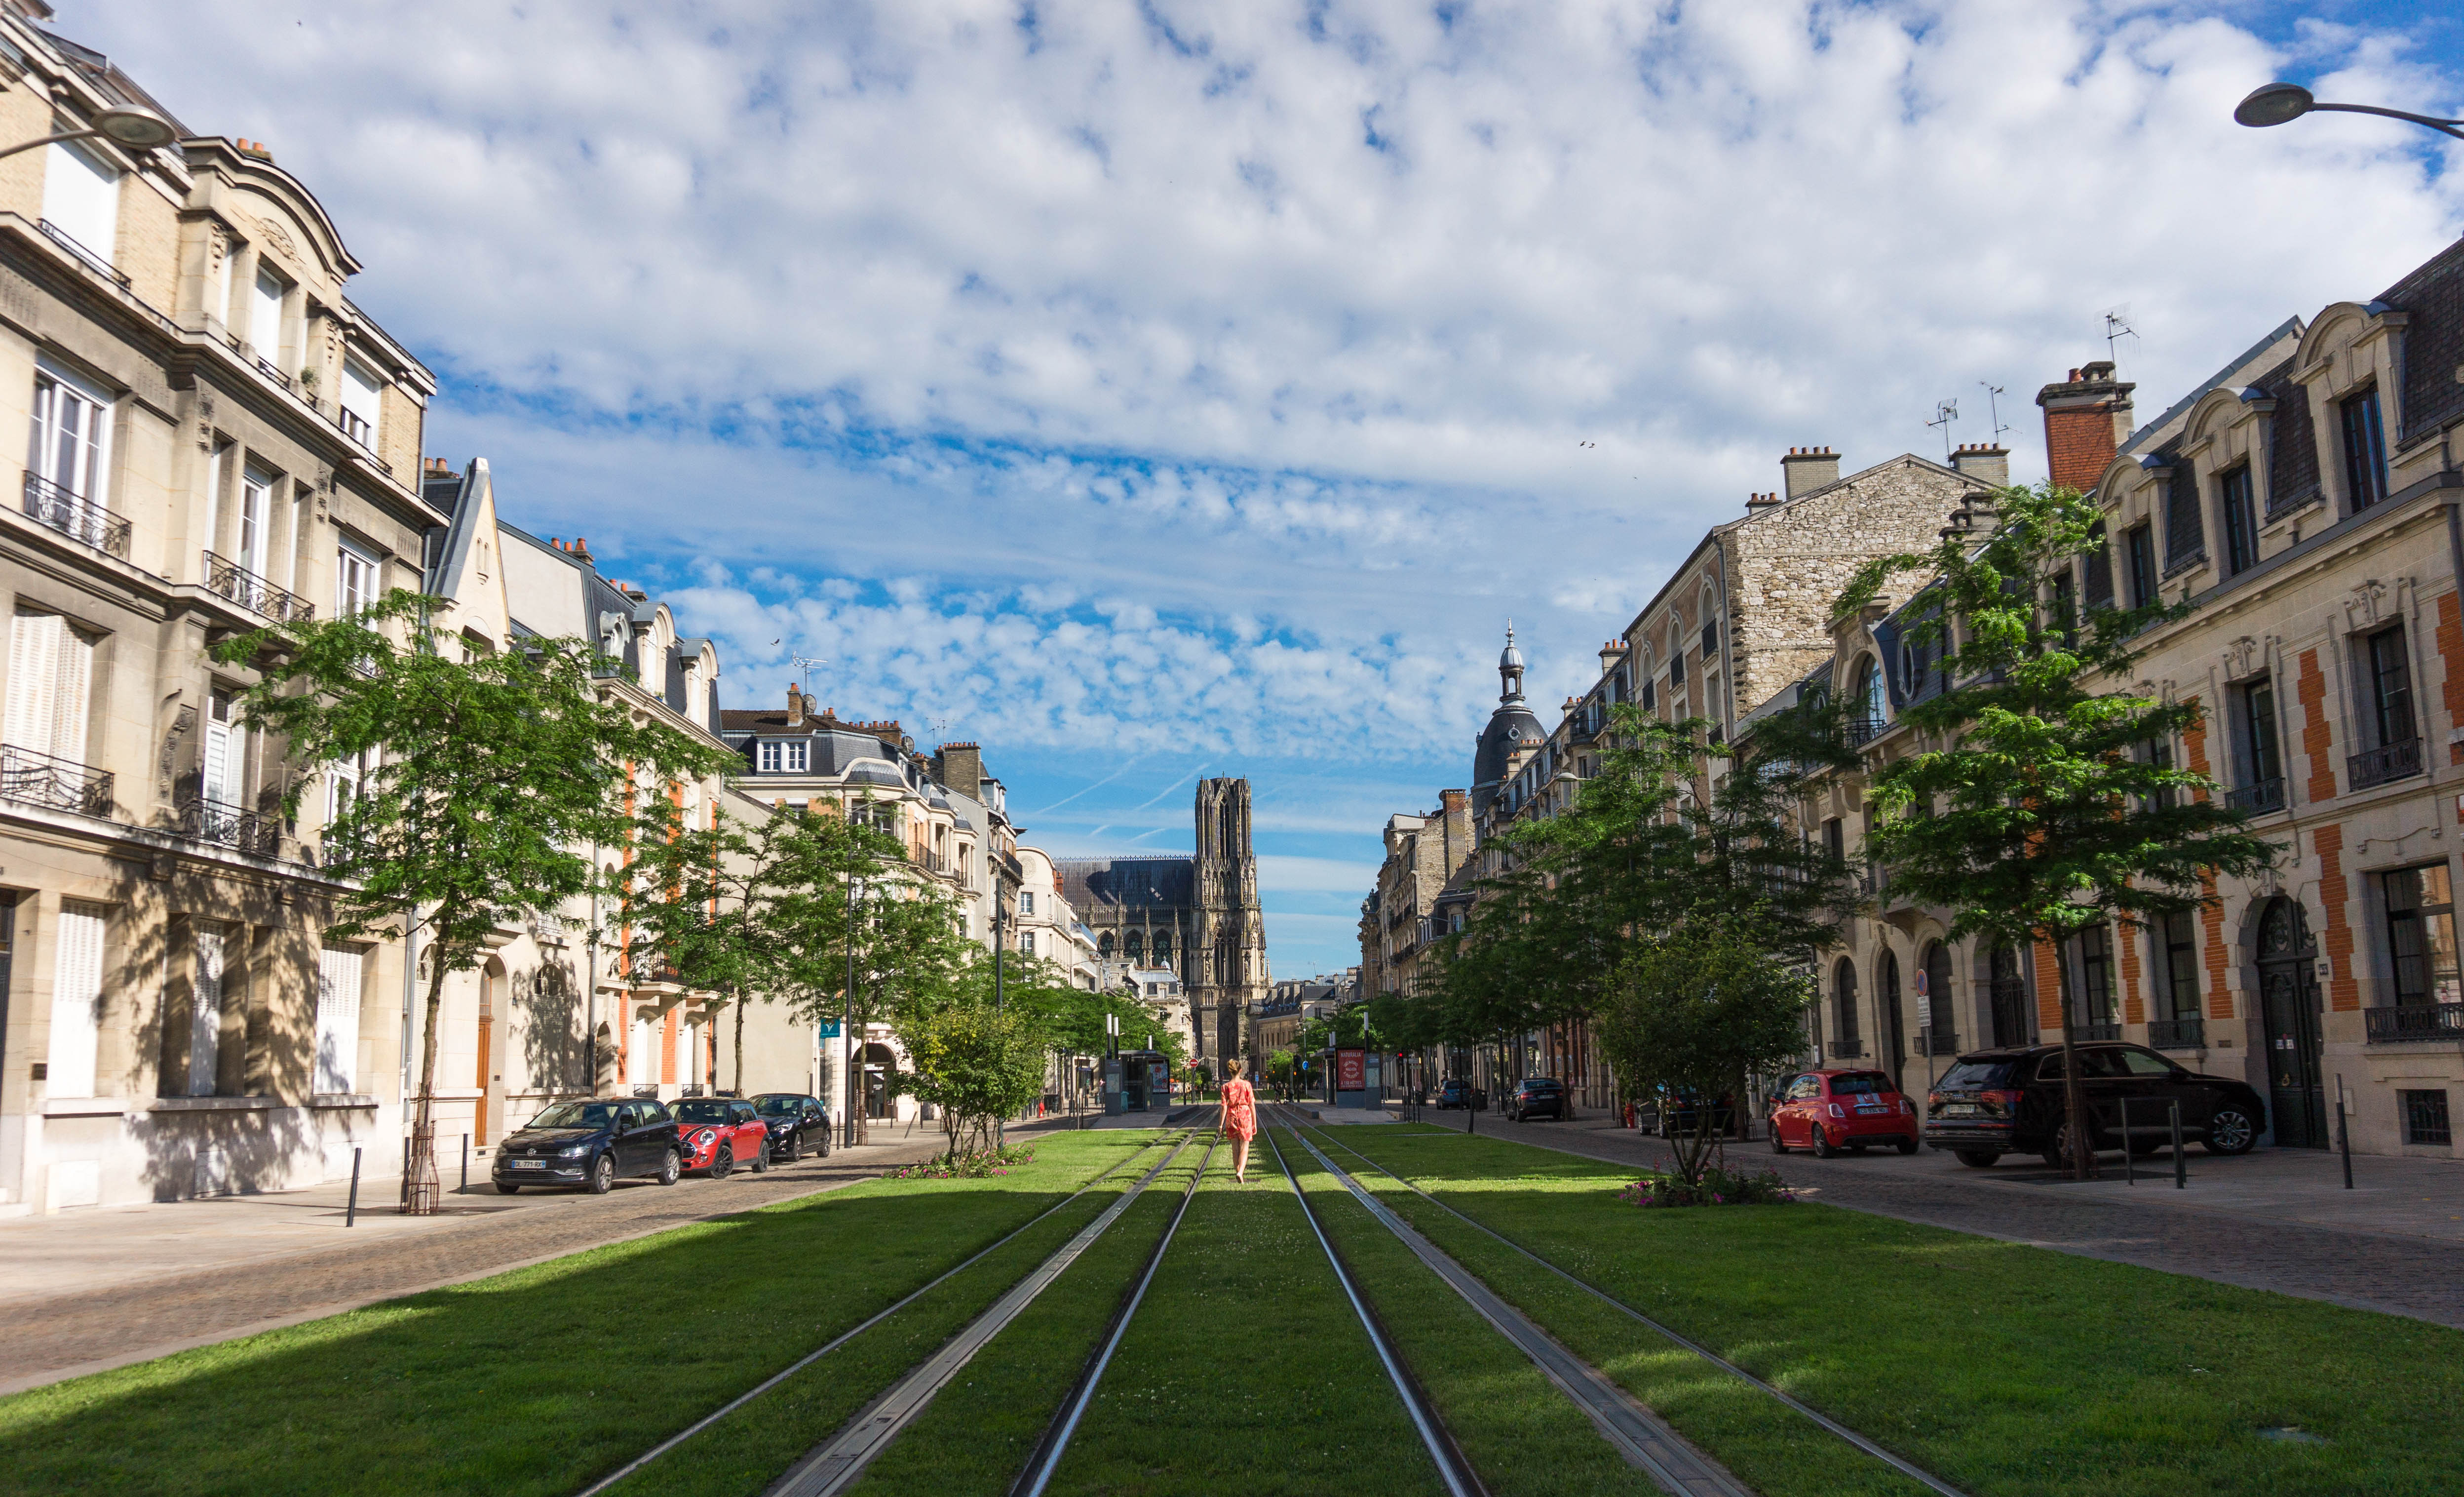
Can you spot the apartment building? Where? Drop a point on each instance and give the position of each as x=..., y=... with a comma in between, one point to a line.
x=1398, y=922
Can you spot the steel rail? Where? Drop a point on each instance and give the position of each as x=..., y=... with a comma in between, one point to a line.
x=1046, y=1459
x=1454, y=1468
x=836, y=1464
x=840, y=1340
x=1914, y=1473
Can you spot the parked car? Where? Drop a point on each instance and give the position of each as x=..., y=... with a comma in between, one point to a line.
x=720, y=1134
x=1676, y=1113
x=1455, y=1092
x=591, y=1143
x=1828, y=1111
x=797, y=1124
x=1535, y=1097
x=2010, y=1101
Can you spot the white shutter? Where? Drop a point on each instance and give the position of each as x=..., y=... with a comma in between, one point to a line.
x=33, y=680
x=265, y=318
x=340, y=971
x=361, y=399
x=76, y=1001
x=255, y=519
x=206, y=1011
x=81, y=197
x=72, y=687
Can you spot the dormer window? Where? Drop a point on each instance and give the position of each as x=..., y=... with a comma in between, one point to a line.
x=2365, y=449
x=362, y=392
x=782, y=756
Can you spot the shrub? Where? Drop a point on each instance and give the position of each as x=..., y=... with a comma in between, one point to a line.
x=1717, y=1187
x=969, y=1167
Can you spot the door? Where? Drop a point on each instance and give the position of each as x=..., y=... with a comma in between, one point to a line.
x=76, y=1001
x=487, y=1033
x=2288, y=995
x=631, y=1134
x=2012, y=1025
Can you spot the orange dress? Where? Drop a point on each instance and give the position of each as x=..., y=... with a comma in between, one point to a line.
x=1240, y=1109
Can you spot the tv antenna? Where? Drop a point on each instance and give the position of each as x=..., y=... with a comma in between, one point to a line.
x=1994, y=409
x=2117, y=327
x=806, y=665
x=1944, y=414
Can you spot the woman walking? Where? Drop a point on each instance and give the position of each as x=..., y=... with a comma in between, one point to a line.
x=1239, y=1124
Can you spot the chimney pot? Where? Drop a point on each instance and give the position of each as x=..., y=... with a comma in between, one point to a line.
x=1806, y=469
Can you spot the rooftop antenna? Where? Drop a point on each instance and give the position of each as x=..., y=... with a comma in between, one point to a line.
x=806, y=665
x=1944, y=415
x=1993, y=411
x=2117, y=327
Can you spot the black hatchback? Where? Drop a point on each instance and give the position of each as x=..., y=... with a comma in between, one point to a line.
x=590, y=1143
x=2010, y=1101
x=1537, y=1096
x=798, y=1125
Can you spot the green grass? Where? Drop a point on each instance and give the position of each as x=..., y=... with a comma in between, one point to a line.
x=1245, y=1370
x=538, y=1380
x=2003, y=1369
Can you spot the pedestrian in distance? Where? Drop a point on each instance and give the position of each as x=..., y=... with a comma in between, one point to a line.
x=1239, y=1124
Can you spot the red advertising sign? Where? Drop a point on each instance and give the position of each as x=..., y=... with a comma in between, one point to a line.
x=1351, y=1071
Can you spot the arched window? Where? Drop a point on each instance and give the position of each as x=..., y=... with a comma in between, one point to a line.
x=1843, y=1009
x=1134, y=945
x=1163, y=948
x=2011, y=1025
x=1872, y=701
x=1104, y=944
x=1941, y=1015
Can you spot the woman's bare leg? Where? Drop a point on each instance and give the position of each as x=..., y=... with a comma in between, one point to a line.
x=1241, y=1159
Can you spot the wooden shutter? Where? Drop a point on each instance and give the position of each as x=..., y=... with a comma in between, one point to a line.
x=206, y=1011
x=340, y=970
x=76, y=1001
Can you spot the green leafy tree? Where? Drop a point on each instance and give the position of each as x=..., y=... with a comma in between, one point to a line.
x=1693, y=1012
x=2031, y=808
x=488, y=778
x=973, y=1061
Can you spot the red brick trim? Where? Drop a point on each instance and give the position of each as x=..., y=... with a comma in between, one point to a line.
x=2049, y=988
x=2343, y=988
x=2317, y=739
x=2451, y=665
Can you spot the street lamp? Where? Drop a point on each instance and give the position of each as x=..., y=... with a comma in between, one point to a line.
x=137, y=129
x=846, y=1012
x=2278, y=103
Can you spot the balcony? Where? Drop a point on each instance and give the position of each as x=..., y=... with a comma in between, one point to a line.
x=92, y=261
x=2085, y=1032
x=76, y=517
x=2265, y=795
x=2177, y=1034
x=2380, y=766
x=227, y=579
x=2415, y=1024
x=271, y=371
x=257, y=833
x=1940, y=1042
x=1846, y=1050
x=1862, y=731
x=32, y=779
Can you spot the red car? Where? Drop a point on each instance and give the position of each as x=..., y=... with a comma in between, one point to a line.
x=718, y=1133
x=1828, y=1111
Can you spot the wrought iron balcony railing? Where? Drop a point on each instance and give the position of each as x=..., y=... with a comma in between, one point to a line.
x=226, y=578
x=2380, y=765
x=1941, y=1042
x=2414, y=1023
x=32, y=779
x=100, y=265
x=2096, y=1031
x=2177, y=1034
x=1862, y=731
x=76, y=517
x=257, y=833
x=1848, y=1049
x=2264, y=795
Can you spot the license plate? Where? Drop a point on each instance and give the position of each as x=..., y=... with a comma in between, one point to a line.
x=1961, y=1110
x=1862, y=1108
x=530, y=1164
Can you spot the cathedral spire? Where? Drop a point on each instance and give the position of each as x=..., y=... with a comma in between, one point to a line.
x=1509, y=669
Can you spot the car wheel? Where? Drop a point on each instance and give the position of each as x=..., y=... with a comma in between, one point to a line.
x=1779, y=1145
x=796, y=1150
x=722, y=1163
x=603, y=1175
x=2232, y=1131
x=509, y=1190
x=826, y=1143
x=1909, y=1145
x=1976, y=1158
x=761, y=1159
x=1823, y=1147
x=672, y=1169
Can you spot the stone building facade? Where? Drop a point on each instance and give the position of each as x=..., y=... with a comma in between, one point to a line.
x=1397, y=920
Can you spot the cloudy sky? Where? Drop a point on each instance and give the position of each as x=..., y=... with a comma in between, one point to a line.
x=1151, y=390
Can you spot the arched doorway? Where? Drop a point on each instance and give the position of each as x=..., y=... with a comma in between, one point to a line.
x=1942, y=1014
x=2009, y=996
x=2288, y=999
x=1844, y=1039
x=880, y=1068
x=1886, y=997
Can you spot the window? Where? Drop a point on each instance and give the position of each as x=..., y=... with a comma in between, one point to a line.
x=72, y=436
x=2184, y=534
x=2175, y=941
x=798, y=753
x=2100, y=569
x=2260, y=762
x=770, y=752
x=2391, y=684
x=2159, y=752
x=226, y=752
x=355, y=580
x=1873, y=698
x=256, y=517
x=82, y=200
x=340, y=971
x=2365, y=449
x=1834, y=839
x=1710, y=638
x=205, y=1010
x=2425, y=1116
x=2139, y=546
x=1026, y=943
x=265, y=316
x=2063, y=605
x=2092, y=978
x=1027, y=901
x=1650, y=696
x=1676, y=668
x=2241, y=520
x=51, y=677
x=362, y=395
x=1843, y=990
x=76, y=999
x=2421, y=935
x=2140, y=1063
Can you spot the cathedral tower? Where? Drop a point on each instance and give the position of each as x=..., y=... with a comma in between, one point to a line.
x=1227, y=970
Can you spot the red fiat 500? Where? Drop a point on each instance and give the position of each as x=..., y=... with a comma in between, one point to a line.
x=1828, y=1111
x=718, y=1133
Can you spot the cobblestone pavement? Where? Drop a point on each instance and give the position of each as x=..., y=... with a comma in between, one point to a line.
x=252, y=1280
x=2263, y=1222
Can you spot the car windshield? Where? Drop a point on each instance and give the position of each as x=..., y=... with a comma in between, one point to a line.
x=1539, y=1085
x=778, y=1107
x=701, y=1111
x=1976, y=1073
x=576, y=1114
x=1860, y=1084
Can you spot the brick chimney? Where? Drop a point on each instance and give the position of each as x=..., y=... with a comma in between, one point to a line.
x=1983, y=462
x=1610, y=653
x=961, y=767
x=2087, y=418
x=795, y=705
x=1455, y=807
x=1806, y=469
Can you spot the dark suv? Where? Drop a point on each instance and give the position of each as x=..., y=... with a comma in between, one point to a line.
x=2010, y=1101
x=1535, y=1097
x=798, y=1125
x=590, y=1143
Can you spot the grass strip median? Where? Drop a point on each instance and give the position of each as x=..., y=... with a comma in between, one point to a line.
x=2001, y=1367
x=1245, y=1369
x=536, y=1381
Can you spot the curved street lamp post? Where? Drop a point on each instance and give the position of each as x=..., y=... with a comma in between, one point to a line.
x=137, y=128
x=2279, y=104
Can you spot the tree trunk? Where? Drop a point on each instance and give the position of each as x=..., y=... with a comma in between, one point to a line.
x=419, y=1198
x=739, y=1042
x=2074, y=1106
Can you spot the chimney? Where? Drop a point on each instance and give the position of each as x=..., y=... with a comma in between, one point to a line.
x=2087, y=418
x=961, y=767
x=1611, y=653
x=1761, y=504
x=795, y=705
x=581, y=548
x=1807, y=469
x=1983, y=462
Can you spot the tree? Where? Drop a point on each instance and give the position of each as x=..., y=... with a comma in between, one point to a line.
x=2032, y=807
x=488, y=781
x=1691, y=1012
x=976, y=1062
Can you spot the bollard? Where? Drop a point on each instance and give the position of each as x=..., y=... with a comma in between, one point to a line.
x=351, y=1211
x=466, y=1166
x=406, y=1171
x=2181, y=1165
x=2344, y=1131
x=2129, y=1156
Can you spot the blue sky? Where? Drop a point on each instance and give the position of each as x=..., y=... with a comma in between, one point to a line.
x=1152, y=389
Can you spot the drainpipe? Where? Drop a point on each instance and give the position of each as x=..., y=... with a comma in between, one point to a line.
x=1727, y=657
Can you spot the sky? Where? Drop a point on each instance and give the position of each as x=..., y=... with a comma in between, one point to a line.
x=1149, y=390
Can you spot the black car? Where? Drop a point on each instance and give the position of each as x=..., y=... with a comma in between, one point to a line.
x=1679, y=1114
x=1535, y=1097
x=1455, y=1092
x=799, y=1124
x=2010, y=1101
x=590, y=1142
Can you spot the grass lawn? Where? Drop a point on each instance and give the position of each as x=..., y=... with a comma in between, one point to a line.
x=1245, y=1370
x=536, y=1381
x=2001, y=1367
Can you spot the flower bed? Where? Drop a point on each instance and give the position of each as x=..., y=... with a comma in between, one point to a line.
x=967, y=1167
x=1719, y=1188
